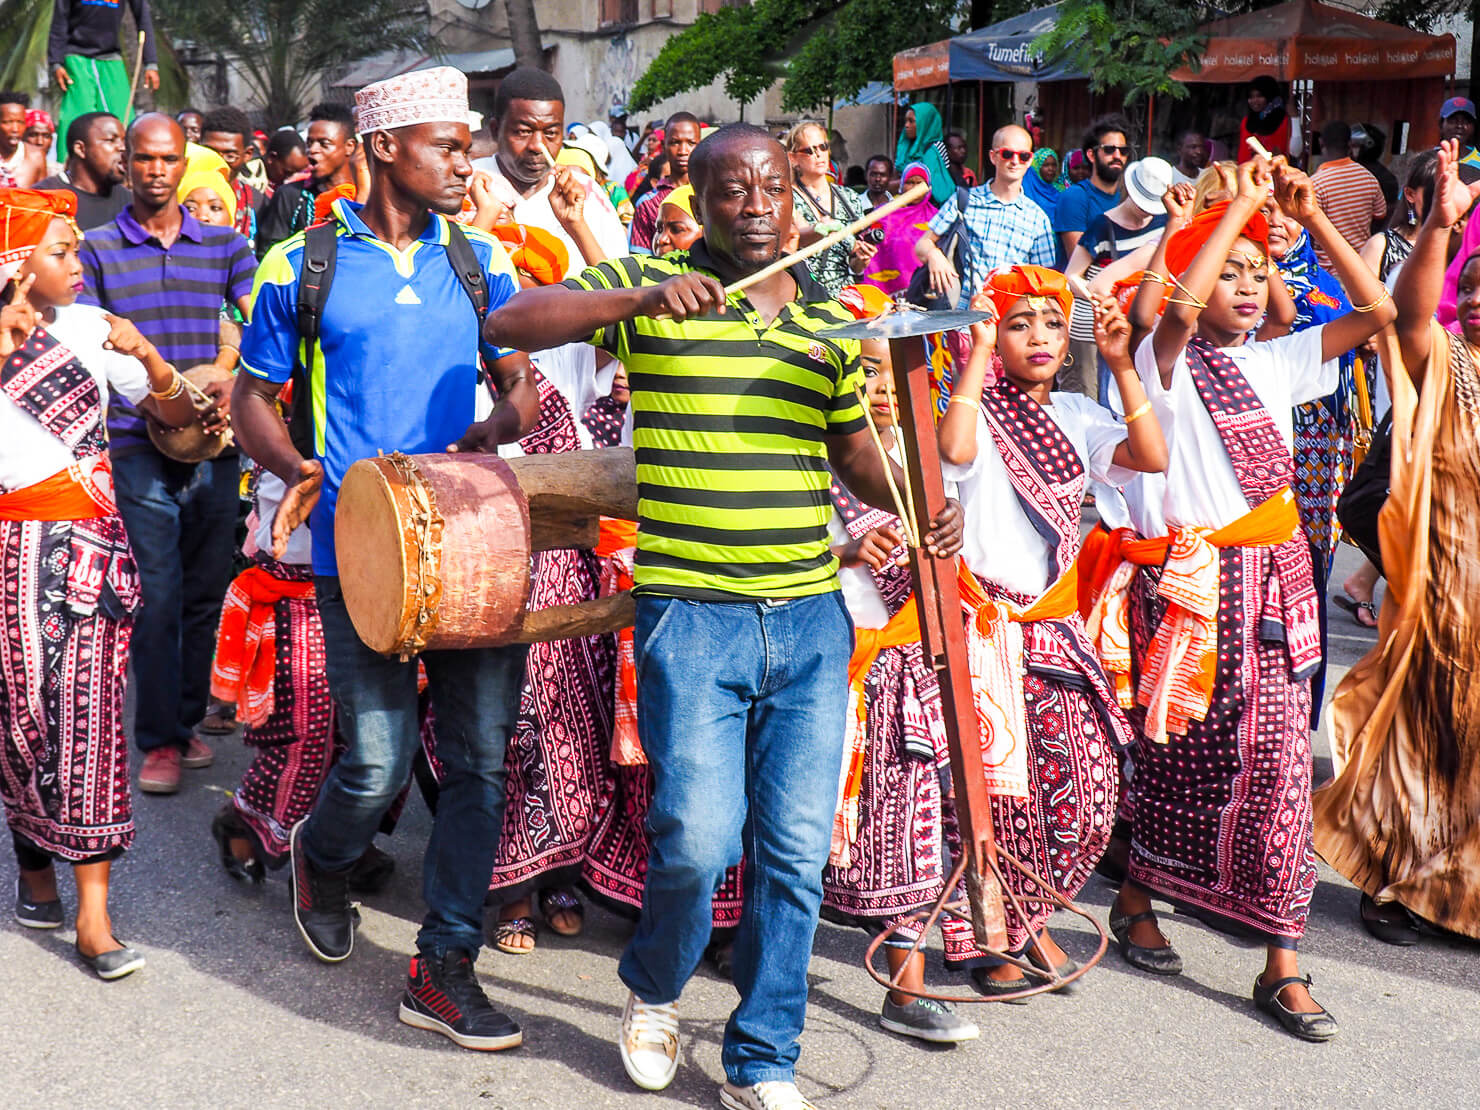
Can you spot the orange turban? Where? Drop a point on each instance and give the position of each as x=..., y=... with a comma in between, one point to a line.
x=864, y=301
x=323, y=204
x=25, y=214
x=1186, y=243
x=1006, y=285
x=534, y=251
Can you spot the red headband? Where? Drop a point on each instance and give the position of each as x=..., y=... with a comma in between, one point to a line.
x=1005, y=286
x=25, y=214
x=1186, y=243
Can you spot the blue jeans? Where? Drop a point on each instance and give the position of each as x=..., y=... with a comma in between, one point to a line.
x=181, y=521
x=741, y=707
x=476, y=697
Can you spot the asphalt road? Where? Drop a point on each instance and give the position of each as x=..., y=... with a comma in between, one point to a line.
x=231, y=1011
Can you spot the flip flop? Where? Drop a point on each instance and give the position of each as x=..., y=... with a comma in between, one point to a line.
x=1356, y=609
x=555, y=901
x=506, y=931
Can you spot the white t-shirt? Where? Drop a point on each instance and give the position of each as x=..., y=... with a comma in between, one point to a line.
x=1201, y=490
x=535, y=211
x=1000, y=543
x=571, y=369
x=860, y=591
x=28, y=452
x=270, y=491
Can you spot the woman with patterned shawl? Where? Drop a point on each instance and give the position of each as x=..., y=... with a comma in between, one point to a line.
x=894, y=831
x=1401, y=819
x=1219, y=617
x=70, y=584
x=1022, y=457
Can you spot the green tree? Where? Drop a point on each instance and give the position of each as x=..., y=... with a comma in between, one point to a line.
x=284, y=48
x=827, y=49
x=1128, y=45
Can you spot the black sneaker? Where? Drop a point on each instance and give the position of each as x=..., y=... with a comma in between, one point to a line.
x=33, y=914
x=928, y=1020
x=443, y=995
x=321, y=904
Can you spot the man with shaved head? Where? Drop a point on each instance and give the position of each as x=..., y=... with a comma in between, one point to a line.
x=157, y=265
x=1003, y=226
x=741, y=403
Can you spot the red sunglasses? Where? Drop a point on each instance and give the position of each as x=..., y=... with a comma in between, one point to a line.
x=1023, y=156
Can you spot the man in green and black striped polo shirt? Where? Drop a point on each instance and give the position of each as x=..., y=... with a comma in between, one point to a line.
x=740, y=406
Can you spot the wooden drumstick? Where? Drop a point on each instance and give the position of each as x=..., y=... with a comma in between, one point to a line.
x=899, y=505
x=549, y=158
x=1259, y=148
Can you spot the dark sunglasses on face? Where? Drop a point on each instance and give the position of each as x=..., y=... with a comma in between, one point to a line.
x=1107, y=148
x=1023, y=156
x=809, y=151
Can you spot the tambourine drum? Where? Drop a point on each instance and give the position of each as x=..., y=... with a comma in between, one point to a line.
x=434, y=550
x=192, y=443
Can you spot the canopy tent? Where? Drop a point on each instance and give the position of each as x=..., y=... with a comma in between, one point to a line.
x=1001, y=52
x=1307, y=41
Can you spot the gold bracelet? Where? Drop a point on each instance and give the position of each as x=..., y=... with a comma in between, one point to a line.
x=962, y=399
x=231, y=347
x=1140, y=410
x=1386, y=296
x=177, y=387
x=1192, y=301
x=1152, y=275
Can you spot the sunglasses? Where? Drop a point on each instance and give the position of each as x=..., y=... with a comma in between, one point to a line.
x=1023, y=156
x=809, y=151
x=1107, y=148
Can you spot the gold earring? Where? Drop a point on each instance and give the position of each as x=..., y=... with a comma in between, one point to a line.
x=1070, y=360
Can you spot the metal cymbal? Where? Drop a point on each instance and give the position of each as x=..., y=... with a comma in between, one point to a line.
x=905, y=322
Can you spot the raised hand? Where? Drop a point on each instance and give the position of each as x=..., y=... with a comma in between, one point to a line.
x=298, y=502
x=1254, y=179
x=1112, y=332
x=126, y=339
x=984, y=332
x=18, y=319
x=1178, y=201
x=1452, y=197
x=568, y=197
x=1294, y=193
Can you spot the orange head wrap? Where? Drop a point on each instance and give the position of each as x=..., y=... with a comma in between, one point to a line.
x=1186, y=243
x=1006, y=285
x=323, y=204
x=535, y=252
x=25, y=214
x=864, y=301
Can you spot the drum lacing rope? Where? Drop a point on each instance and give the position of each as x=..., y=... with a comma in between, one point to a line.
x=423, y=515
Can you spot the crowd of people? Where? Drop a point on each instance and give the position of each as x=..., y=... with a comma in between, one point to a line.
x=767, y=745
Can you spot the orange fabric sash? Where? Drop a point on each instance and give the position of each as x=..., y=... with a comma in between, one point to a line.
x=903, y=628
x=81, y=492
x=616, y=547
x=1177, y=674
x=615, y=535
x=246, y=645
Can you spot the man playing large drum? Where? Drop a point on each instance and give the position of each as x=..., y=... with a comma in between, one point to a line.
x=742, y=642
x=395, y=369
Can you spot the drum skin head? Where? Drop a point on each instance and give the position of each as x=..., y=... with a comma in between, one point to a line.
x=191, y=444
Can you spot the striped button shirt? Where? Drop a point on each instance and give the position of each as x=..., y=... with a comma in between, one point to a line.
x=729, y=419
x=172, y=295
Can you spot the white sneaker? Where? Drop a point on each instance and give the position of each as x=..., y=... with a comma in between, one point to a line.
x=649, y=1043
x=776, y=1094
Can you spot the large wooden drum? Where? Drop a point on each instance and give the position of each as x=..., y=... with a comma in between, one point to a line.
x=434, y=550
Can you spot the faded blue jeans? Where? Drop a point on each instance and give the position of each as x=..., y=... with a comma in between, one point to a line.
x=476, y=697
x=741, y=707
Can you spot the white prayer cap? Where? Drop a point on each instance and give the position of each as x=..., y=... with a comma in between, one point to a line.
x=435, y=95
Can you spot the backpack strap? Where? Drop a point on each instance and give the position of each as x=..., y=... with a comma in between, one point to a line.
x=470, y=276
x=320, y=246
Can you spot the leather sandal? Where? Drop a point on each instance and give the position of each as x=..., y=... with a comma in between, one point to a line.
x=1320, y=1026
x=554, y=902
x=505, y=931
x=1158, y=961
x=1389, y=922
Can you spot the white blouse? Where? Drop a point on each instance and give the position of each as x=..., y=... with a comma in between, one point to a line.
x=1201, y=489
x=1000, y=543
x=28, y=452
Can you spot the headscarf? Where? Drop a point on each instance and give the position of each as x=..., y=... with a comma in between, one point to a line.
x=1185, y=244
x=864, y=301
x=199, y=157
x=1009, y=283
x=1269, y=120
x=1075, y=160
x=579, y=159
x=1317, y=294
x=682, y=197
x=534, y=251
x=1043, y=193
x=929, y=148
x=40, y=117
x=890, y=268
x=199, y=178
x=621, y=162
x=323, y=204
x=25, y=214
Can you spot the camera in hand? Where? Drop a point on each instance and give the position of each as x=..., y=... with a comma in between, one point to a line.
x=874, y=235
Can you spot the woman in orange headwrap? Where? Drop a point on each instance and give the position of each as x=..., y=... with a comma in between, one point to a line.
x=1022, y=457
x=70, y=585
x=1222, y=613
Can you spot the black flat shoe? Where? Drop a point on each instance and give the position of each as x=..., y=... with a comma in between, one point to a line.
x=1389, y=922
x=1063, y=970
x=33, y=914
x=1158, y=961
x=988, y=987
x=226, y=826
x=1308, y=1027
x=114, y=964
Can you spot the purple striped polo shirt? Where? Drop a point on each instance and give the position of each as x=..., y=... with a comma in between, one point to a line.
x=173, y=296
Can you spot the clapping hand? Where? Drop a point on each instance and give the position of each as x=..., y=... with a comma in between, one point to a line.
x=18, y=319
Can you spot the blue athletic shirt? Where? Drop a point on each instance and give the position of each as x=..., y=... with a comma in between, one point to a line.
x=396, y=367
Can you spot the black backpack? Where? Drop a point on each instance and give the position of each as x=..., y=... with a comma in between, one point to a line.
x=952, y=244
x=320, y=248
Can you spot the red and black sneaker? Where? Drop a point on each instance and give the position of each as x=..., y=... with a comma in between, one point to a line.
x=443, y=995
x=321, y=906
